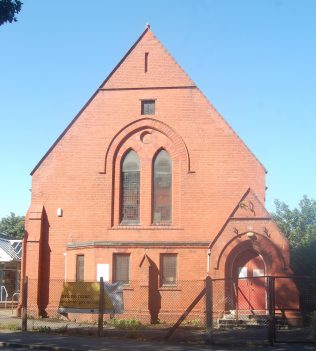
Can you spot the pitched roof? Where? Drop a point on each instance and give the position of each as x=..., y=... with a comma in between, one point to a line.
x=162, y=70
x=133, y=62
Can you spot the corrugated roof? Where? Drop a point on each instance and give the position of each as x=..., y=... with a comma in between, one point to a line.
x=13, y=248
x=17, y=247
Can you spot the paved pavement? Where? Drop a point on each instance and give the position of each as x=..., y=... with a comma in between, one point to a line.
x=71, y=343
x=41, y=341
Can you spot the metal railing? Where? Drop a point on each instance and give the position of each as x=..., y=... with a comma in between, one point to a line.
x=3, y=289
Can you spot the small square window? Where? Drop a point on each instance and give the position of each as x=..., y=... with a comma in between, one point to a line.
x=121, y=268
x=148, y=107
x=168, y=269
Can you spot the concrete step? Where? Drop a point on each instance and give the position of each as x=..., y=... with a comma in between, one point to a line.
x=230, y=320
x=8, y=304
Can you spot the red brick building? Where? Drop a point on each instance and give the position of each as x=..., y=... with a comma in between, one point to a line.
x=149, y=184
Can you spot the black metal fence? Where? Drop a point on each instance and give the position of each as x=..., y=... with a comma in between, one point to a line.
x=259, y=310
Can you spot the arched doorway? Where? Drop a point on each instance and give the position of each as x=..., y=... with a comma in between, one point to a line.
x=248, y=273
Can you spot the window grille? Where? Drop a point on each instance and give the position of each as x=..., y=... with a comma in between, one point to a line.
x=80, y=268
x=121, y=268
x=130, y=196
x=162, y=188
x=168, y=269
x=148, y=107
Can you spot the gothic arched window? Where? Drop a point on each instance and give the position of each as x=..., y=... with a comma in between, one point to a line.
x=130, y=176
x=162, y=188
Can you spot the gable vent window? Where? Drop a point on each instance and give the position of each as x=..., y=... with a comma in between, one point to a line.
x=148, y=107
x=146, y=62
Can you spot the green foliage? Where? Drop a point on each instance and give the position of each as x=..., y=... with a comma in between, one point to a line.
x=299, y=226
x=12, y=226
x=8, y=10
x=125, y=323
x=9, y=326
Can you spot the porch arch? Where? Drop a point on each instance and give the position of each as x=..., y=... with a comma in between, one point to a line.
x=272, y=255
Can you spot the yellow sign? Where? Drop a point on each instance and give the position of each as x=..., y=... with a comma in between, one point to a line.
x=83, y=297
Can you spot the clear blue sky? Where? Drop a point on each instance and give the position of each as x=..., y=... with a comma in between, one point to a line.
x=254, y=60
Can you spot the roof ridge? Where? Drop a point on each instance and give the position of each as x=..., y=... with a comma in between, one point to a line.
x=147, y=29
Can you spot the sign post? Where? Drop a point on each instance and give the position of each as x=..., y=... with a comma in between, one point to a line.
x=24, y=304
x=101, y=308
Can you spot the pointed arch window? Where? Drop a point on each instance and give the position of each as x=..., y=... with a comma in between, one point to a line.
x=130, y=194
x=162, y=188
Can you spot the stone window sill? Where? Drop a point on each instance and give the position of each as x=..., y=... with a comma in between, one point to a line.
x=128, y=287
x=169, y=288
x=143, y=227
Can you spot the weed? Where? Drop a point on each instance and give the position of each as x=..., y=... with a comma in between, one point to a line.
x=9, y=326
x=193, y=323
x=42, y=329
x=124, y=323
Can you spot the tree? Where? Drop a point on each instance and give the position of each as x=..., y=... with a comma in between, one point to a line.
x=8, y=10
x=299, y=226
x=12, y=226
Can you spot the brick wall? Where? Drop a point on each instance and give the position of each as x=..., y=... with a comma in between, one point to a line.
x=212, y=169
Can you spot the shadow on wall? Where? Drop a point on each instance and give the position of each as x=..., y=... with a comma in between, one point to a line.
x=44, y=269
x=154, y=298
